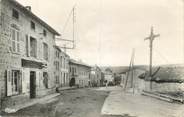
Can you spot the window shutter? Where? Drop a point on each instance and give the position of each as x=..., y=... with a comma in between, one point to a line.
x=40, y=78
x=40, y=50
x=24, y=82
x=10, y=44
x=18, y=41
x=8, y=83
x=28, y=45
x=49, y=57
x=37, y=79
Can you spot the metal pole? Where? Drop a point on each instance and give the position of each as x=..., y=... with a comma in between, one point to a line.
x=150, y=68
x=73, y=27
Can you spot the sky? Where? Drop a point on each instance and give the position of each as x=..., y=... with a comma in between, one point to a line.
x=106, y=31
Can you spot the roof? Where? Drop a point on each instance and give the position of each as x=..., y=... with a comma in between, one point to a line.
x=78, y=63
x=57, y=47
x=165, y=74
x=26, y=11
x=96, y=68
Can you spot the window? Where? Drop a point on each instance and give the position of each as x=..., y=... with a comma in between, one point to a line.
x=15, y=41
x=70, y=69
x=45, y=52
x=56, y=63
x=57, y=54
x=62, y=61
x=32, y=25
x=45, y=33
x=57, y=79
x=45, y=79
x=33, y=47
x=64, y=80
x=57, y=68
x=13, y=82
x=15, y=14
x=75, y=70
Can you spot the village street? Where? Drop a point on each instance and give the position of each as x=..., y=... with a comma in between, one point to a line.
x=71, y=103
x=100, y=102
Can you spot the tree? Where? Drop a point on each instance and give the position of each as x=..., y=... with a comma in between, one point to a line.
x=117, y=79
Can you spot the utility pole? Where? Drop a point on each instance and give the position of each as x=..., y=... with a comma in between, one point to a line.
x=130, y=69
x=73, y=15
x=151, y=39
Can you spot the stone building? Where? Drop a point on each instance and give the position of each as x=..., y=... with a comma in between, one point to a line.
x=26, y=54
x=61, y=64
x=108, y=75
x=79, y=73
x=57, y=65
x=64, y=69
x=96, y=77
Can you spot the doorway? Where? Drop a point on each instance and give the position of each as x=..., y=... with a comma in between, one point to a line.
x=32, y=84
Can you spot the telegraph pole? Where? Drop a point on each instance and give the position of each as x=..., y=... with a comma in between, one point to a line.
x=73, y=15
x=130, y=69
x=151, y=39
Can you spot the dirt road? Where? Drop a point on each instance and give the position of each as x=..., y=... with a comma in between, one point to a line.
x=71, y=103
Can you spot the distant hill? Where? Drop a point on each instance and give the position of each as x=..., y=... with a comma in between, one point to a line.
x=115, y=69
x=120, y=69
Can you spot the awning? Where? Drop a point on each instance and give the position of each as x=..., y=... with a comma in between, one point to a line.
x=33, y=64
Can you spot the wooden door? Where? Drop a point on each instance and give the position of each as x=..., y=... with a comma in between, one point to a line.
x=32, y=84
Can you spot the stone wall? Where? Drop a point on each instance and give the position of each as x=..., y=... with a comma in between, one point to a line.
x=5, y=56
x=168, y=87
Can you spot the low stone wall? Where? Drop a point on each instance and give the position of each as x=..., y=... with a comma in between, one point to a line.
x=160, y=87
x=168, y=87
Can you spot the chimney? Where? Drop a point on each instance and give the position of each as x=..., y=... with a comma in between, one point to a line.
x=28, y=8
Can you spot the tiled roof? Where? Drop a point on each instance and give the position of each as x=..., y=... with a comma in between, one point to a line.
x=26, y=11
x=79, y=63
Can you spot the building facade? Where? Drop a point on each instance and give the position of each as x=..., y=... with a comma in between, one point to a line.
x=79, y=74
x=57, y=64
x=61, y=64
x=26, y=54
x=96, y=77
x=64, y=69
x=108, y=75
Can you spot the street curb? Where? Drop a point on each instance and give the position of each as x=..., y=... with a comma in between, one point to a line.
x=14, y=109
x=66, y=88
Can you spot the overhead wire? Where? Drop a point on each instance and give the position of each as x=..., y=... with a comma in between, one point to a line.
x=162, y=56
x=68, y=18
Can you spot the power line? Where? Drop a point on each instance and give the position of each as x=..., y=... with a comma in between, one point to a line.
x=68, y=18
x=73, y=15
x=162, y=56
